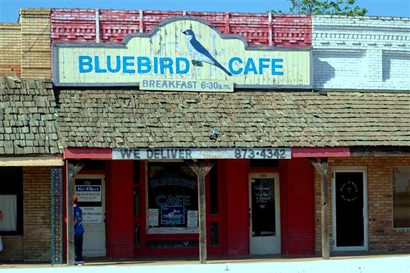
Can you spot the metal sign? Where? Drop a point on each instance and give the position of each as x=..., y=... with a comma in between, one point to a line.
x=181, y=54
x=88, y=193
x=206, y=153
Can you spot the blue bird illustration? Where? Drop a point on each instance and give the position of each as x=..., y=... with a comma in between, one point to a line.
x=199, y=52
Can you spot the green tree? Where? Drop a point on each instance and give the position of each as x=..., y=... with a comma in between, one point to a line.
x=325, y=7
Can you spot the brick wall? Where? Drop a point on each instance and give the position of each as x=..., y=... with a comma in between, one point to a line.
x=79, y=25
x=382, y=237
x=35, y=243
x=13, y=248
x=10, y=49
x=37, y=213
x=35, y=43
x=367, y=53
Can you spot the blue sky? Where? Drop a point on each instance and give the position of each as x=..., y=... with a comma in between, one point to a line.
x=9, y=8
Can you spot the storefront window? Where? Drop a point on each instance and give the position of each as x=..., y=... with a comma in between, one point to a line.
x=11, y=201
x=401, y=197
x=172, y=198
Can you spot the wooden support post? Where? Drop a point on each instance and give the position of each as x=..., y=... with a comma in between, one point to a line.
x=322, y=167
x=201, y=169
x=71, y=170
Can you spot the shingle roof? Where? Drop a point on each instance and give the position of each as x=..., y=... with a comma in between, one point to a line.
x=28, y=121
x=136, y=119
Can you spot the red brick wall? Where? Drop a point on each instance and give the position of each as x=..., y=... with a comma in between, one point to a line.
x=78, y=25
x=382, y=236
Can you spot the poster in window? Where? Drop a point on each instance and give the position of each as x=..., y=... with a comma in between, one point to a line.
x=153, y=217
x=192, y=220
x=172, y=216
x=92, y=215
x=8, y=208
x=172, y=190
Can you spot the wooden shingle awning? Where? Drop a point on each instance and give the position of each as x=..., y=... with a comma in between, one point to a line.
x=130, y=118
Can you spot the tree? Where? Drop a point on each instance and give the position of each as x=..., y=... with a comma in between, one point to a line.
x=325, y=7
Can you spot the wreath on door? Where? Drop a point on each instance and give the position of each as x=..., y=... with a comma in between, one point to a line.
x=349, y=191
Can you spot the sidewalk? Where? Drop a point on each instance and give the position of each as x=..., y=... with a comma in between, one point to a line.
x=367, y=264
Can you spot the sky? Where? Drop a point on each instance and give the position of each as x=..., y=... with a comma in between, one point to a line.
x=9, y=8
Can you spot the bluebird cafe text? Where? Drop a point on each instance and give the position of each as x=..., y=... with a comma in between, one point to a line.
x=178, y=65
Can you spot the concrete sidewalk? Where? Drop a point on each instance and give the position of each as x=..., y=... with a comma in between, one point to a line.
x=362, y=264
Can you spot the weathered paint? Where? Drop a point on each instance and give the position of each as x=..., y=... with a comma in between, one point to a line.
x=78, y=25
x=165, y=56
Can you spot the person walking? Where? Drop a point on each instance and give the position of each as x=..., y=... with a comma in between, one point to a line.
x=78, y=232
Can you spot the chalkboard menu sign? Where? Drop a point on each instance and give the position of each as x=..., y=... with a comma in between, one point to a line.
x=263, y=207
x=172, y=193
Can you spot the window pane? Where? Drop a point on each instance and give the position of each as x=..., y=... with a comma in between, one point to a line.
x=136, y=202
x=8, y=212
x=401, y=197
x=214, y=234
x=11, y=200
x=172, y=195
x=137, y=242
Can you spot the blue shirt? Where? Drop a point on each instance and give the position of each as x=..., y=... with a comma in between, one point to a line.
x=78, y=216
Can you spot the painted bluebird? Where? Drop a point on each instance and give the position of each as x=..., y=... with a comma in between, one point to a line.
x=199, y=52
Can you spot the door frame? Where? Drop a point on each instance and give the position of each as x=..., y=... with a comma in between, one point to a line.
x=103, y=199
x=355, y=169
x=274, y=175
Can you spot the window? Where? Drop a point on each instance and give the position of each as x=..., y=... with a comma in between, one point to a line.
x=11, y=201
x=401, y=197
x=172, y=198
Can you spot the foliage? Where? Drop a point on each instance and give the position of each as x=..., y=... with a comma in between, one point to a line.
x=325, y=7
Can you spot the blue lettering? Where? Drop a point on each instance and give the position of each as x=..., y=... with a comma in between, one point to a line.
x=143, y=65
x=166, y=63
x=127, y=64
x=231, y=65
x=263, y=64
x=117, y=64
x=275, y=66
x=250, y=67
x=178, y=62
x=98, y=69
x=155, y=65
x=85, y=64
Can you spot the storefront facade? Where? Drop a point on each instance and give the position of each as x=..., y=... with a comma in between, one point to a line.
x=30, y=170
x=285, y=171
